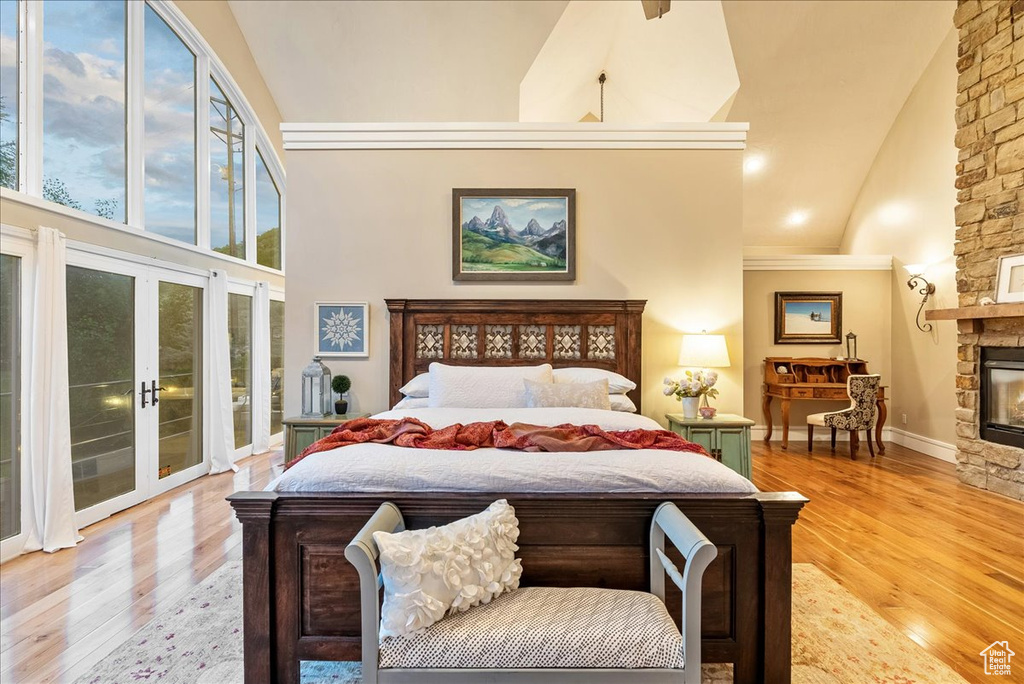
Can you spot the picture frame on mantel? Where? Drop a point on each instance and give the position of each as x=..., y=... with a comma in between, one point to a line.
x=1010, y=279
x=514, y=234
x=808, y=317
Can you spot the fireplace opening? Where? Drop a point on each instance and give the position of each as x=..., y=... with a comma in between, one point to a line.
x=1002, y=395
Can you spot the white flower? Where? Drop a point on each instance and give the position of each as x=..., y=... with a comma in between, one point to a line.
x=467, y=598
x=669, y=391
x=423, y=610
x=669, y=381
x=341, y=329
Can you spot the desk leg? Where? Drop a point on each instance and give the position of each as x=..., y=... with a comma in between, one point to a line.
x=882, y=414
x=785, y=423
x=766, y=406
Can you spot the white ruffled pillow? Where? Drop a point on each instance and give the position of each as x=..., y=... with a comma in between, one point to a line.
x=446, y=570
x=580, y=394
x=617, y=384
x=482, y=386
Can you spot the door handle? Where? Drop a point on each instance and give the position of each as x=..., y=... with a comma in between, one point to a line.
x=144, y=392
x=155, y=390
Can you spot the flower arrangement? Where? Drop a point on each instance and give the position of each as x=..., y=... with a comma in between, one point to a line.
x=699, y=383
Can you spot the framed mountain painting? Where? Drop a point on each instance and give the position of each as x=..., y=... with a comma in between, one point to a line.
x=513, y=234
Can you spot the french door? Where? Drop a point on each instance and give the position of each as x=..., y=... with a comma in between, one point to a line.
x=136, y=367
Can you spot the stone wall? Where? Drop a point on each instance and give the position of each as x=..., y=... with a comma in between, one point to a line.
x=990, y=223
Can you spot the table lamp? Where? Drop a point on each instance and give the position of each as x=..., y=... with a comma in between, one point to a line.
x=704, y=351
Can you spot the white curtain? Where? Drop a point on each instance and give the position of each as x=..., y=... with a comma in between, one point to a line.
x=222, y=426
x=50, y=496
x=261, y=369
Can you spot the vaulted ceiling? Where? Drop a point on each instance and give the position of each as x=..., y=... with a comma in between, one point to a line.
x=821, y=81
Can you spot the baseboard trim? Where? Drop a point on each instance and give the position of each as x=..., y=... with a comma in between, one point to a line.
x=925, y=445
x=799, y=434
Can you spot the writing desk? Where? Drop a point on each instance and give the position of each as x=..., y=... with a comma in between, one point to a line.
x=812, y=379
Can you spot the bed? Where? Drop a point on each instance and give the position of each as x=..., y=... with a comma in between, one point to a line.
x=301, y=597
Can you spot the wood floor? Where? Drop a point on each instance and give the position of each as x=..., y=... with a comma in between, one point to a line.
x=941, y=561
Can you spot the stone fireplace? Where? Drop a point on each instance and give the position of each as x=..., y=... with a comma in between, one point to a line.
x=990, y=223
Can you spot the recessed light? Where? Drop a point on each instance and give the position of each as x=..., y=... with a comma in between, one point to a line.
x=797, y=218
x=753, y=163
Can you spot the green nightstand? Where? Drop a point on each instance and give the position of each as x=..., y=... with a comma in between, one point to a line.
x=726, y=437
x=300, y=432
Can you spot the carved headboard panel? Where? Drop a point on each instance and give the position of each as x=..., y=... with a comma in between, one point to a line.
x=595, y=333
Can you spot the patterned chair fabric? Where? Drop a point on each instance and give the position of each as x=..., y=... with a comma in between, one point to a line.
x=547, y=627
x=863, y=391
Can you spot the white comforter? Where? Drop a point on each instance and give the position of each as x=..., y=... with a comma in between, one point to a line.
x=371, y=468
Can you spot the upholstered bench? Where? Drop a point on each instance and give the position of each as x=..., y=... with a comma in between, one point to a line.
x=546, y=634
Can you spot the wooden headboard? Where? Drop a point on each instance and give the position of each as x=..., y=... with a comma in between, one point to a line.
x=594, y=333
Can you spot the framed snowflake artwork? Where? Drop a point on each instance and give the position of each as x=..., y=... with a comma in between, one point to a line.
x=342, y=329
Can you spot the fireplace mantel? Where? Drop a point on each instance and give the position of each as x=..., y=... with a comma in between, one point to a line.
x=976, y=312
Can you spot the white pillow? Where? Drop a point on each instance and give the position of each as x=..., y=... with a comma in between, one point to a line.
x=449, y=569
x=580, y=394
x=411, y=403
x=620, y=402
x=617, y=384
x=418, y=386
x=482, y=386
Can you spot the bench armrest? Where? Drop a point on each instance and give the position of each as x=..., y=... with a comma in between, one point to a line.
x=698, y=552
x=362, y=552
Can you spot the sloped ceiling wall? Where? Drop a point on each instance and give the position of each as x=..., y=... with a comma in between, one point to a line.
x=821, y=81
x=677, y=68
x=402, y=60
x=822, y=84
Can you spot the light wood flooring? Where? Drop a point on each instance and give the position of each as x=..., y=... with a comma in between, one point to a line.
x=941, y=561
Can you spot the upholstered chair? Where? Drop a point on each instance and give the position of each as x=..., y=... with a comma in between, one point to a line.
x=863, y=391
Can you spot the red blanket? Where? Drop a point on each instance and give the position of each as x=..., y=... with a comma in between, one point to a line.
x=415, y=434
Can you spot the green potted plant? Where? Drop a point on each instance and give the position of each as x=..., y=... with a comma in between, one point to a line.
x=341, y=384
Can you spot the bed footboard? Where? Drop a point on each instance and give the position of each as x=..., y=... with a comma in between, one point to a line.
x=302, y=596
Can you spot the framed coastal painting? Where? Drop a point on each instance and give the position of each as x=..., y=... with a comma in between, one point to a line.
x=808, y=317
x=513, y=234
x=342, y=329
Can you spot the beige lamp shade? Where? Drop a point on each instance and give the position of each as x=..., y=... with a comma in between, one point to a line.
x=704, y=351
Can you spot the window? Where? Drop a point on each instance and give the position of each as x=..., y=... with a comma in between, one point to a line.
x=84, y=106
x=240, y=346
x=227, y=176
x=123, y=117
x=276, y=366
x=170, y=137
x=9, y=94
x=10, y=396
x=268, y=217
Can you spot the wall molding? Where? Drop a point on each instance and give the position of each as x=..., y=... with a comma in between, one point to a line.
x=818, y=262
x=470, y=136
x=925, y=445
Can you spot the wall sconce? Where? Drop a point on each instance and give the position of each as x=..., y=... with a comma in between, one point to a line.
x=916, y=272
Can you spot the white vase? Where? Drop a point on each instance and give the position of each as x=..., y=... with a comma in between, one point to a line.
x=690, y=405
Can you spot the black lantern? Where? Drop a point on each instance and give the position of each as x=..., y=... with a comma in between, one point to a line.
x=851, y=346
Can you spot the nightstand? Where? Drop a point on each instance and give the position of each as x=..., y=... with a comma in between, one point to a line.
x=726, y=437
x=300, y=432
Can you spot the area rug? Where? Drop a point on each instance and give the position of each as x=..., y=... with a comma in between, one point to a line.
x=837, y=639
